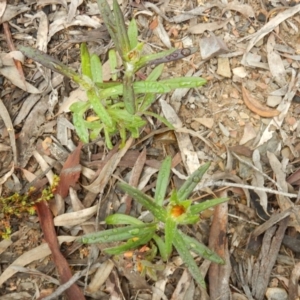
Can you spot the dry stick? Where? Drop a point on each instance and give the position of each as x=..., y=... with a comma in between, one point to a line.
x=244, y=186
x=10, y=129
x=256, y=169
x=66, y=285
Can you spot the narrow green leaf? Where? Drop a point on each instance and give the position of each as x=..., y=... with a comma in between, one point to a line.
x=107, y=85
x=79, y=107
x=170, y=229
x=96, y=69
x=80, y=128
x=160, y=118
x=54, y=65
x=147, y=101
x=142, y=87
x=145, y=200
x=133, y=34
x=200, y=249
x=189, y=185
x=121, y=30
x=110, y=22
x=161, y=247
x=146, y=60
x=85, y=61
x=107, y=139
x=122, y=219
x=162, y=181
x=183, y=82
x=130, y=245
x=118, y=234
x=99, y=108
x=188, y=259
x=128, y=93
x=197, y=208
x=155, y=73
x=113, y=63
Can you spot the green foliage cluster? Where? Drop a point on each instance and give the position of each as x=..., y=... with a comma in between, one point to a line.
x=17, y=205
x=164, y=229
x=118, y=106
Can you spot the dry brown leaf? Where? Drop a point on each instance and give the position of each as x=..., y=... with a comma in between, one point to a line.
x=100, y=276
x=256, y=107
x=75, y=218
x=200, y=28
x=26, y=258
x=2, y=7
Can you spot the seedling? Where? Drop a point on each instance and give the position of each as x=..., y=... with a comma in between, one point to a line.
x=117, y=106
x=167, y=218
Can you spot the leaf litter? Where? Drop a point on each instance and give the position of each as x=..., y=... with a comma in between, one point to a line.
x=261, y=61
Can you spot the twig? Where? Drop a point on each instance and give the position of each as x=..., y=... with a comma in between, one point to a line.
x=256, y=169
x=66, y=285
x=244, y=186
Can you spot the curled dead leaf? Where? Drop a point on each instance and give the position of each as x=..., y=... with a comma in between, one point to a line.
x=255, y=106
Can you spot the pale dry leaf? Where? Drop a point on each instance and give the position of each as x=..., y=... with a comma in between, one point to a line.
x=188, y=154
x=187, y=15
x=28, y=257
x=26, y=108
x=182, y=286
x=75, y=218
x=5, y=243
x=268, y=27
x=7, y=175
x=256, y=107
x=4, y=147
x=240, y=72
x=258, y=180
x=160, y=285
x=2, y=8
x=4, y=114
x=279, y=169
x=80, y=20
x=207, y=122
x=62, y=130
x=146, y=175
x=88, y=173
x=34, y=272
x=283, y=107
x=243, y=9
x=28, y=175
x=100, y=182
x=275, y=62
x=16, y=296
x=77, y=206
x=42, y=33
x=75, y=96
x=47, y=2
x=248, y=135
x=100, y=276
x=72, y=9
x=212, y=46
x=276, y=293
x=161, y=33
x=44, y=166
x=212, y=26
x=12, y=74
x=13, y=10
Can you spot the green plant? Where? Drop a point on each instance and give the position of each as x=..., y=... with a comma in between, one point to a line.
x=113, y=113
x=179, y=211
x=19, y=204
